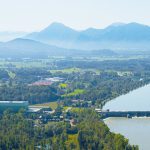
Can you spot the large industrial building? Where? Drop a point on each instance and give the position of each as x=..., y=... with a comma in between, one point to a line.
x=13, y=105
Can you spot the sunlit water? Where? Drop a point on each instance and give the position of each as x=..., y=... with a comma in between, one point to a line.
x=137, y=130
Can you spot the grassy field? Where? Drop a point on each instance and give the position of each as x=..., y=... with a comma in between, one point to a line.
x=93, y=70
x=74, y=93
x=52, y=105
x=76, y=109
x=76, y=70
x=63, y=85
x=38, y=63
x=67, y=70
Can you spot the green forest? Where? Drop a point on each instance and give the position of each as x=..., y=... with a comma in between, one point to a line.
x=17, y=132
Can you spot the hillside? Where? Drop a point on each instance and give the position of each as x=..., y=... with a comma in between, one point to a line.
x=28, y=48
x=25, y=48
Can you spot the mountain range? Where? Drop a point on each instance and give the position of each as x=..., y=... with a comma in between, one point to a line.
x=116, y=36
x=58, y=39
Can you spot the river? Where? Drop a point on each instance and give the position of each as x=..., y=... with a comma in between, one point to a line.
x=137, y=130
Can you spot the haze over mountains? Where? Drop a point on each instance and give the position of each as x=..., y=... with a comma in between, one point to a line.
x=25, y=48
x=115, y=36
x=58, y=39
x=7, y=35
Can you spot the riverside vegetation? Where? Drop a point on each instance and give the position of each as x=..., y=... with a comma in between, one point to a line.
x=92, y=81
x=19, y=132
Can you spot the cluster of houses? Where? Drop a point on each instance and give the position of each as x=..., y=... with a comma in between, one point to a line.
x=45, y=114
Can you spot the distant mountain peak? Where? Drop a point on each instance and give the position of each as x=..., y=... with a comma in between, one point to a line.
x=137, y=24
x=56, y=26
x=117, y=24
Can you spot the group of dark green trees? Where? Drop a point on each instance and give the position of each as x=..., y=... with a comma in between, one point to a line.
x=18, y=132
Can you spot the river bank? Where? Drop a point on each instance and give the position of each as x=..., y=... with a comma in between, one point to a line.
x=136, y=129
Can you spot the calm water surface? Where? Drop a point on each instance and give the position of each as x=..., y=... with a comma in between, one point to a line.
x=136, y=100
x=137, y=130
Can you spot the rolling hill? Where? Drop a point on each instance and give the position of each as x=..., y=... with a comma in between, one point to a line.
x=21, y=48
x=25, y=48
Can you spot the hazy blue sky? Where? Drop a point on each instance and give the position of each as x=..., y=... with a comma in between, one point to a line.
x=30, y=15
